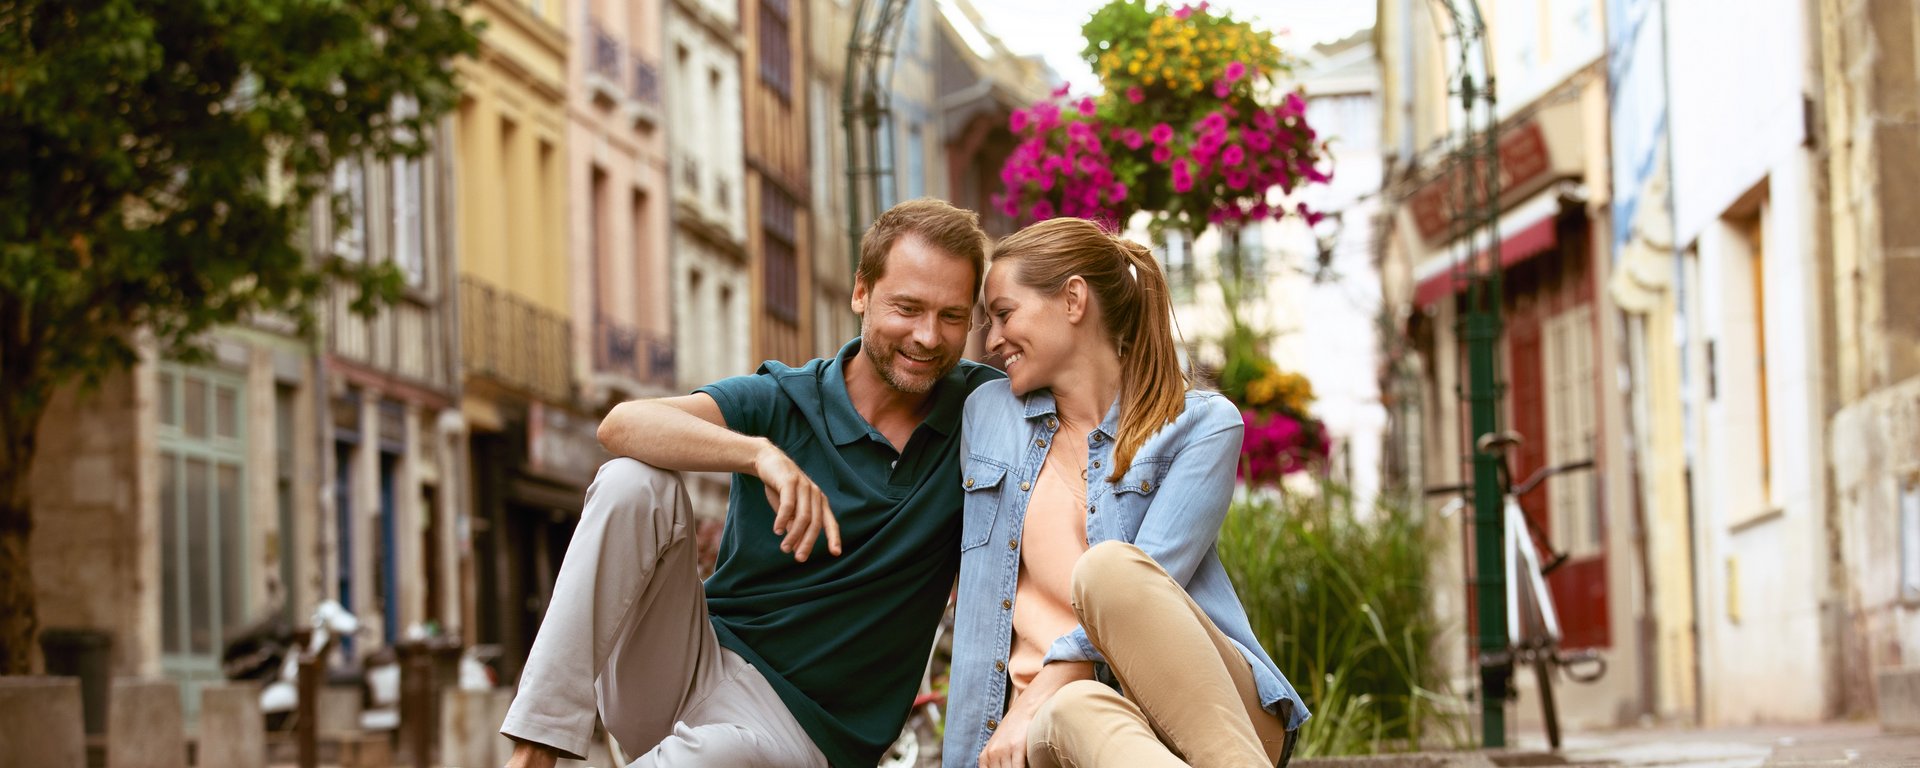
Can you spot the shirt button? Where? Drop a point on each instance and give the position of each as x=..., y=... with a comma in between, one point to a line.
x=969, y=482
x=1006, y=605
x=1052, y=423
x=992, y=724
x=1042, y=442
x=1023, y=485
x=1096, y=463
x=1013, y=544
x=1147, y=486
x=999, y=666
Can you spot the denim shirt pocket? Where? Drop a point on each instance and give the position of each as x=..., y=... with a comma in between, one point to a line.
x=980, y=481
x=1135, y=491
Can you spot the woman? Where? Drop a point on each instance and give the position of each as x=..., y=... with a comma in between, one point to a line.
x=1096, y=625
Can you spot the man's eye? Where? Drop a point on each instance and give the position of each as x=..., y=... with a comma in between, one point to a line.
x=908, y=311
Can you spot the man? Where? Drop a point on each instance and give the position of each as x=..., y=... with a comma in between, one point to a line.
x=790, y=655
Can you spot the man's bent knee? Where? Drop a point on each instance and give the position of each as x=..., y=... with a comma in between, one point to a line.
x=625, y=485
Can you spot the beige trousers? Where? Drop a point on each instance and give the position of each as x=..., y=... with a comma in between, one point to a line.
x=627, y=633
x=1190, y=697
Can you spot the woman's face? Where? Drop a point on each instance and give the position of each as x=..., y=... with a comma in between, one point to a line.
x=1027, y=330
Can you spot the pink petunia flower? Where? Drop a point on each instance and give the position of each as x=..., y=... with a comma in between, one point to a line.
x=1183, y=12
x=1135, y=95
x=1222, y=88
x=1131, y=138
x=1086, y=107
x=1235, y=71
x=1233, y=155
x=1162, y=133
x=1042, y=210
x=1162, y=153
x=1017, y=121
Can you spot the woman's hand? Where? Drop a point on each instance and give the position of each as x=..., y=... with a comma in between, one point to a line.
x=1008, y=747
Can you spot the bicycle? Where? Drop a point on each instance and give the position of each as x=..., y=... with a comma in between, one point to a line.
x=1533, y=621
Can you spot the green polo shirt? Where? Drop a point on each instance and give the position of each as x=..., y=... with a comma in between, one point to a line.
x=842, y=639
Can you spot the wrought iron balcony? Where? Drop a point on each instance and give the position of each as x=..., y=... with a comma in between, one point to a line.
x=506, y=338
x=646, y=82
x=606, y=52
x=623, y=350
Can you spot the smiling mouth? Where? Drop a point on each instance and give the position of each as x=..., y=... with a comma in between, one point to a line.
x=920, y=361
x=1013, y=358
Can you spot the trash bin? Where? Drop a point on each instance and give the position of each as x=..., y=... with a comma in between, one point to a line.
x=86, y=654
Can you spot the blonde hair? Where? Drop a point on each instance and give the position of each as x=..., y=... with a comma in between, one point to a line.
x=1134, y=304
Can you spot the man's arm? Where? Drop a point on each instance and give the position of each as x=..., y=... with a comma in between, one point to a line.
x=683, y=434
x=690, y=434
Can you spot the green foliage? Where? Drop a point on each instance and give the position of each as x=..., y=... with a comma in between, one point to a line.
x=163, y=154
x=1343, y=606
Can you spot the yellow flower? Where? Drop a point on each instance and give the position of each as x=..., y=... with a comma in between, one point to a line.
x=1133, y=68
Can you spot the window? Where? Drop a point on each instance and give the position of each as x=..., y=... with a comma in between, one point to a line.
x=781, y=272
x=409, y=191
x=350, y=187
x=916, y=162
x=776, y=52
x=1571, y=429
x=203, y=545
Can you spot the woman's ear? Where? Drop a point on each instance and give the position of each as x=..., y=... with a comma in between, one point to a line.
x=1077, y=292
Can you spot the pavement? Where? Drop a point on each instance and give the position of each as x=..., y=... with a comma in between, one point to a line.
x=1852, y=745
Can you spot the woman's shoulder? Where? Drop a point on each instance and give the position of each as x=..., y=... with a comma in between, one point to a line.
x=1208, y=410
x=992, y=401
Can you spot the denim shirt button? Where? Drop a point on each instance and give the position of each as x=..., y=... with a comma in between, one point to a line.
x=1013, y=544
x=1040, y=442
x=1006, y=605
x=999, y=666
x=992, y=724
x=1023, y=485
x=1096, y=463
x=1053, y=423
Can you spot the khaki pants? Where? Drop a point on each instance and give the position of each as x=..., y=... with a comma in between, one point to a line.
x=627, y=633
x=1189, y=695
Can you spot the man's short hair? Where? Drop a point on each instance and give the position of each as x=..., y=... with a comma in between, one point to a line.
x=954, y=231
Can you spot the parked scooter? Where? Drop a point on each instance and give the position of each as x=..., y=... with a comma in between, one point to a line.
x=271, y=652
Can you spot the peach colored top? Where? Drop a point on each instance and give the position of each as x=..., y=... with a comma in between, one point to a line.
x=1052, y=539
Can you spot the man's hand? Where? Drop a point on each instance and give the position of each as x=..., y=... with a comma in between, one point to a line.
x=800, y=510
x=1008, y=747
x=527, y=754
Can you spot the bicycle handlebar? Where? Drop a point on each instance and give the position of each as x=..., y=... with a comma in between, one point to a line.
x=1541, y=474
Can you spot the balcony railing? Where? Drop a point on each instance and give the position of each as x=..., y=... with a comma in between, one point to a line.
x=623, y=350
x=506, y=338
x=606, y=52
x=646, y=82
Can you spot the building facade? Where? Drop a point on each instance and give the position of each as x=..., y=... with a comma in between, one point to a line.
x=779, y=207
x=618, y=221
x=711, y=275
x=528, y=447
x=1559, y=333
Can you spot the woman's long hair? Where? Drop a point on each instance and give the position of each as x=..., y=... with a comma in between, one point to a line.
x=1137, y=311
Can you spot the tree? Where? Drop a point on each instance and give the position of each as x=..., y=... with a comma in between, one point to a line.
x=161, y=157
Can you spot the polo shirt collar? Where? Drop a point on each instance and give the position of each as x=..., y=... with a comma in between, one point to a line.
x=845, y=425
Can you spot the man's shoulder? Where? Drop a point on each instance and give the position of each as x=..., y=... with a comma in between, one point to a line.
x=977, y=375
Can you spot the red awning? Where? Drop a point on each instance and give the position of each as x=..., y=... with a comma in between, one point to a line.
x=1527, y=243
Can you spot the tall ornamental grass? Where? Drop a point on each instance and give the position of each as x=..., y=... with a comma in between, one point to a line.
x=1343, y=606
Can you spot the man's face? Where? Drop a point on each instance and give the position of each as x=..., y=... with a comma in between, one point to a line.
x=913, y=320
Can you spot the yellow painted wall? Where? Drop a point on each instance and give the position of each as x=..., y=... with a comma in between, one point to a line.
x=510, y=183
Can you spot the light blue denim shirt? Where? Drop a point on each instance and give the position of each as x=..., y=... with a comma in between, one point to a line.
x=1170, y=502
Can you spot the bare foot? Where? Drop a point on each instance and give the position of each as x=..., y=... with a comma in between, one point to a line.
x=527, y=754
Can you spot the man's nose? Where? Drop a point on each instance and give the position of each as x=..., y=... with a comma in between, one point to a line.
x=926, y=333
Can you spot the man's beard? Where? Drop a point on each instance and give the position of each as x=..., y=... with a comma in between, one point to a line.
x=883, y=361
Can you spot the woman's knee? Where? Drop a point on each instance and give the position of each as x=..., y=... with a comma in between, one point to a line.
x=1106, y=569
x=1083, y=706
